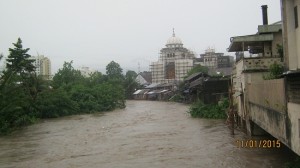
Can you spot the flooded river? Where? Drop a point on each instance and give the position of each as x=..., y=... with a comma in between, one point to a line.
x=145, y=134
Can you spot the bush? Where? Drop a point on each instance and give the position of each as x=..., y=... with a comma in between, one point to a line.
x=214, y=111
x=177, y=98
x=55, y=103
x=276, y=71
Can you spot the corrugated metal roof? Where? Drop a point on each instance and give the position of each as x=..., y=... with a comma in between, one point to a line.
x=153, y=85
x=141, y=91
x=193, y=75
x=137, y=92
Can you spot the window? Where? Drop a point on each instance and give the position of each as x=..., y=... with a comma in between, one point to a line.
x=296, y=16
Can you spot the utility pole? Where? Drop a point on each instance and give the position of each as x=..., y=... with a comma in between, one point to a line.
x=231, y=107
x=139, y=68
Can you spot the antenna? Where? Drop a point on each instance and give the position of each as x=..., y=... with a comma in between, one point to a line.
x=173, y=32
x=139, y=68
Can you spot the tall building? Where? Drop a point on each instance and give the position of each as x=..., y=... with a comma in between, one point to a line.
x=291, y=56
x=174, y=62
x=86, y=71
x=43, y=66
x=217, y=62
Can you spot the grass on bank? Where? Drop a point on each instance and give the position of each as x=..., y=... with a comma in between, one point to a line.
x=213, y=111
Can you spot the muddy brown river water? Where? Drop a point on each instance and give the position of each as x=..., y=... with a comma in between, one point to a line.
x=146, y=134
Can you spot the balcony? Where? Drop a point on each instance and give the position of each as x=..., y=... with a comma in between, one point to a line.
x=257, y=63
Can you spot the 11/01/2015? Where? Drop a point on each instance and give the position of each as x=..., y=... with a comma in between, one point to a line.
x=251, y=143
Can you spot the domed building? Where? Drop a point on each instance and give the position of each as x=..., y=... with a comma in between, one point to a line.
x=174, y=62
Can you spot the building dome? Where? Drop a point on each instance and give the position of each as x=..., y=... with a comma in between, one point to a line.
x=172, y=41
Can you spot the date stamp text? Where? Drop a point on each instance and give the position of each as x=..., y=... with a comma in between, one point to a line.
x=255, y=143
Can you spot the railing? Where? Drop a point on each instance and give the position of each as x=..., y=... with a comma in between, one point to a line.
x=260, y=63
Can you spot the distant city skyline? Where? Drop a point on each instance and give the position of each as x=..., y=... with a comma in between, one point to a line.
x=129, y=32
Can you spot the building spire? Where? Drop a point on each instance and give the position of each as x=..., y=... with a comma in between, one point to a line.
x=173, y=32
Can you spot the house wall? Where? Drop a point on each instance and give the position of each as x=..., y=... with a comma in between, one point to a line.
x=267, y=49
x=270, y=120
x=276, y=40
x=268, y=93
x=239, y=87
x=266, y=101
x=291, y=39
x=291, y=34
x=294, y=116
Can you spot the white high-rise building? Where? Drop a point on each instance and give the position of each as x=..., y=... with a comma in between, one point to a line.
x=86, y=71
x=43, y=66
x=174, y=62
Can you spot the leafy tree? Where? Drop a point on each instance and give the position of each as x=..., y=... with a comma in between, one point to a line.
x=24, y=97
x=130, y=84
x=279, y=49
x=216, y=111
x=18, y=59
x=276, y=70
x=114, y=71
x=67, y=76
x=196, y=69
x=96, y=78
x=54, y=103
x=17, y=94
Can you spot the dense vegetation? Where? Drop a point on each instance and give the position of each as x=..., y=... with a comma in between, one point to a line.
x=196, y=69
x=276, y=70
x=216, y=111
x=26, y=97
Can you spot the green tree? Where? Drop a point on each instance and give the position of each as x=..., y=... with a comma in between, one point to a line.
x=276, y=70
x=67, y=76
x=116, y=80
x=130, y=84
x=18, y=60
x=96, y=78
x=196, y=69
x=17, y=91
x=114, y=71
x=54, y=103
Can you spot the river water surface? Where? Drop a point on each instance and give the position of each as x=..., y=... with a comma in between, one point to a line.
x=146, y=134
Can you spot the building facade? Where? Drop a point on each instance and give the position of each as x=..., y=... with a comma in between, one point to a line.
x=174, y=62
x=272, y=104
x=291, y=42
x=86, y=71
x=217, y=62
x=210, y=58
x=144, y=78
x=43, y=66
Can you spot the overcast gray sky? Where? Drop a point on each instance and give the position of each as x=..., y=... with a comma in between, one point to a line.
x=94, y=32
